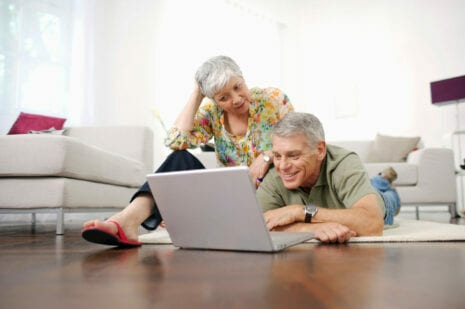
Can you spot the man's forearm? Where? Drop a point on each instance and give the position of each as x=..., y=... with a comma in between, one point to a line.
x=364, y=218
x=361, y=221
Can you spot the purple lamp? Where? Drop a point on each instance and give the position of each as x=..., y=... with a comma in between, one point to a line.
x=449, y=90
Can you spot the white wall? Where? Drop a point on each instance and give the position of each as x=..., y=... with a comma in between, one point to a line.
x=367, y=65
x=125, y=42
x=123, y=64
x=362, y=66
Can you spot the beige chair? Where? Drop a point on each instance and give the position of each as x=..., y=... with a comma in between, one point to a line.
x=87, y=169
x=426, y=177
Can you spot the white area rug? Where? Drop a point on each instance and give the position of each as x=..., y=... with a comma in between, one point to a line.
x=417, y=231
x=159, y=236
x=402, y=231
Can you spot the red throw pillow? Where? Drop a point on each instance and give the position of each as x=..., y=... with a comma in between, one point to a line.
x=27, y=122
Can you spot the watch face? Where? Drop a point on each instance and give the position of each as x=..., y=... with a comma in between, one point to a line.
x=266, y=158
x=310, y=209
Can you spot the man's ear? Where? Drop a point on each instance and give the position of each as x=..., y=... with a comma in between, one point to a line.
x=321, y=150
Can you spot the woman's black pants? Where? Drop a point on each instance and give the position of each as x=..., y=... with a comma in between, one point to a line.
x=179, y=160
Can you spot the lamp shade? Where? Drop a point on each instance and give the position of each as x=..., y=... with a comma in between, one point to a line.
x=448, y=90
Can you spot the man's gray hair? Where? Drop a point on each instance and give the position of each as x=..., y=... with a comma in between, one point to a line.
x=294, y=123
x=215, y=73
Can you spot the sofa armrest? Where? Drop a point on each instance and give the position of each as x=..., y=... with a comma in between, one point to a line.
x=436, y=170
x=135, y=142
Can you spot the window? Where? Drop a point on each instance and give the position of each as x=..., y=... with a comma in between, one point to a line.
x=35, y=45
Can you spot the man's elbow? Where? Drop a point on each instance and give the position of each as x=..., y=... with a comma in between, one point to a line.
x=376, y=228
x=374, y=225
x=373, y=222
x=373, y=218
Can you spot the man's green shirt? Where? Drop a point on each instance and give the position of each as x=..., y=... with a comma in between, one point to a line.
x=342, y=182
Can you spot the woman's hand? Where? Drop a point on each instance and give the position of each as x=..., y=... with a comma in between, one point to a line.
x=185, y=120
x=197, y=93
x=259, y=168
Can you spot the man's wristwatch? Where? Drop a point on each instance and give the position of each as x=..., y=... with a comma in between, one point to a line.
x=310, y=212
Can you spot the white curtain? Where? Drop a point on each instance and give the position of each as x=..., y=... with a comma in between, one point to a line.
x=35, y=44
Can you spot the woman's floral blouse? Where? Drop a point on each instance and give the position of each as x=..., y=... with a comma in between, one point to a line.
x=268, y=106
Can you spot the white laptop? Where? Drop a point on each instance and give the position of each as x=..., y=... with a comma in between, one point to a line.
x=216, y=209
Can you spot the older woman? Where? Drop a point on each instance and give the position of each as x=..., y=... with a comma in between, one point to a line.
x=239, y=120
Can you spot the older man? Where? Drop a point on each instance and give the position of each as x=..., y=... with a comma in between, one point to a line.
x=317, y=187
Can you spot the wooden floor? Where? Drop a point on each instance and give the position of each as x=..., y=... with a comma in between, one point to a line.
x=41, y=270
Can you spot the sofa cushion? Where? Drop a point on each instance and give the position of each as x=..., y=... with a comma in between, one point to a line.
x=62, y=156
x=392, y=148
x=407, y=174
x=27, y=122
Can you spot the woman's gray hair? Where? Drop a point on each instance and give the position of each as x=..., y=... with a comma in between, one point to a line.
x=215, y=73
x=294, y=123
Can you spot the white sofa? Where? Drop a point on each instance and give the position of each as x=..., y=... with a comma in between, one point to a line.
x=425, y=178
x=86, y=169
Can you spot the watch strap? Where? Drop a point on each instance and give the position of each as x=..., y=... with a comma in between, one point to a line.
x=308, y=217
x=310, y=211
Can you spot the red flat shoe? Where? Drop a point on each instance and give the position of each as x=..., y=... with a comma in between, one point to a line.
x=106, y=237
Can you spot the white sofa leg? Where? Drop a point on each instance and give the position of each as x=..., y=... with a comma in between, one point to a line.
x=60, y=221
x=453, y=211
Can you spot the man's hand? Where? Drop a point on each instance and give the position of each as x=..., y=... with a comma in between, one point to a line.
x=332, y=232
x=329, y=232
x=283, y=216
